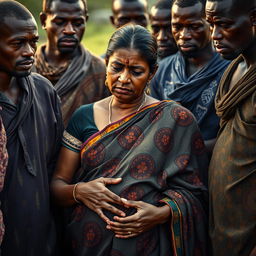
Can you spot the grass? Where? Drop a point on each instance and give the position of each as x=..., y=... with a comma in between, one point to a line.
x=97, y=36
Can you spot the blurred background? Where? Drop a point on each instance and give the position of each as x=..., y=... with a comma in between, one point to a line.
x=98, y=30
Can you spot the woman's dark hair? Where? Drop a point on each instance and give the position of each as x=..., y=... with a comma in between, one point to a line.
x=134, y=37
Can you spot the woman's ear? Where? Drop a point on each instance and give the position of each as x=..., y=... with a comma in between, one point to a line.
x=153, y=73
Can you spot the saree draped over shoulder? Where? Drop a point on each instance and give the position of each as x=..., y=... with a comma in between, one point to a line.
x=232, y=173
x=34, y=128
x=81, y=82
x=159, y=153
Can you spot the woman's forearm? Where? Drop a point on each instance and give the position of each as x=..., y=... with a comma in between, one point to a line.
x=63, y=192
x=163, y=214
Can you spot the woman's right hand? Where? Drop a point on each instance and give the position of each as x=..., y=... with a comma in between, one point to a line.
x=96, y=196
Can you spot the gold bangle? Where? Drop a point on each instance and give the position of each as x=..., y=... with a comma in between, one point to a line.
x=74, y=193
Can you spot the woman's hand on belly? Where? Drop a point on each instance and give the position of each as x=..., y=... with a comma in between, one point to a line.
x=96, y=196
x=146, y=217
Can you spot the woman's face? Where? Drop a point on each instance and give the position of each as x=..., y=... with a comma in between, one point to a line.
x=127, y=75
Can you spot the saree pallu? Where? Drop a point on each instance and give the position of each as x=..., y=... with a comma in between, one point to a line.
x=160, y=155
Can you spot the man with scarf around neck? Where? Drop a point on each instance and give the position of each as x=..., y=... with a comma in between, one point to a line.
x=191, y=76
x=232, y=173
x=32, y=119
x=77, y=75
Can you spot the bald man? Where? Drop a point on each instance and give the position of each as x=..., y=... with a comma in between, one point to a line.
x=129, y=11
x=232, y=172
x=191, y=76
x=77, y=75
x=160, y=20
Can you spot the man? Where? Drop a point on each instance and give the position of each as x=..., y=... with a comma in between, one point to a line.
x=232, y=175
x=191, y=76
x=77, y=75
x=32, y=119
x=160, y=19
x=126, y=11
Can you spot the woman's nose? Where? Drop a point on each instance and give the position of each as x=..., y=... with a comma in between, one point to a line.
x=124, y=77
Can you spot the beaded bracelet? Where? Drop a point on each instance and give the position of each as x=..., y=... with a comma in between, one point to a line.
x=74, y=193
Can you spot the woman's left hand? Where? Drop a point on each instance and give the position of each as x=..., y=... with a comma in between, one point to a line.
x=146, y=217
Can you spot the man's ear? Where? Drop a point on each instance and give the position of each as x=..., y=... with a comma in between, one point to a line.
x=43, y=17
x=253, y=16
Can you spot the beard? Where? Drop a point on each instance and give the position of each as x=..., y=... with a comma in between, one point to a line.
x=162, y=54
x=19, y=74
x=67, y=49
x=16, y=73
x=230, y=56
x=191, y=54
x=197, y=51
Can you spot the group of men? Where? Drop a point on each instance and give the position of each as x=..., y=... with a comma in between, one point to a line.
x=194, y=38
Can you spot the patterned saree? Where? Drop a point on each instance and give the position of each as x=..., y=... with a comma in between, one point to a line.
x=160, y=155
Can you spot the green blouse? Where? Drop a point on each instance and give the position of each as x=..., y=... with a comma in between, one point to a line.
x=80, y=127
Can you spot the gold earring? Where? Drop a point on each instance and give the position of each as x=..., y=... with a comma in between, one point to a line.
x=147, y=88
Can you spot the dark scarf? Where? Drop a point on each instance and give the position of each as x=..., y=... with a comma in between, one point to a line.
x=12, y=130
x=45, y=69
x=68, y=77
x=227, y=100
x=189, y=88
x=26, y=84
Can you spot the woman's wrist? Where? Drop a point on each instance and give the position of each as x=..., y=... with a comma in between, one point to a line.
x=164, y=214
x=75, y=194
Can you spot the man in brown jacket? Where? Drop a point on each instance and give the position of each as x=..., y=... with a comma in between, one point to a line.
x=77, y=75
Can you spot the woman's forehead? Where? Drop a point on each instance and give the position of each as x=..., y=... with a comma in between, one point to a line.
x=127, y=56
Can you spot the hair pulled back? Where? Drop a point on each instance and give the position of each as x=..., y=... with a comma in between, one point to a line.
x=137, y=38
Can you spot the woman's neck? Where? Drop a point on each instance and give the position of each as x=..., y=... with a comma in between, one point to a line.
x=118, y=109
x=121, y=105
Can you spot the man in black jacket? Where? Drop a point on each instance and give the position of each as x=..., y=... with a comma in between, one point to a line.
x=32, y=120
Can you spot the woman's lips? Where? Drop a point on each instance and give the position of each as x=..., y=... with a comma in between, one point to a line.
x=122, y=90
